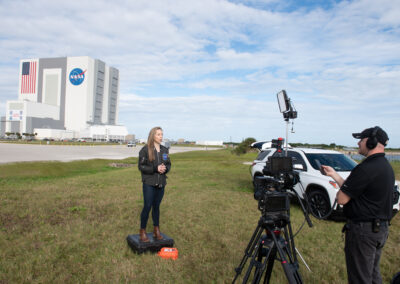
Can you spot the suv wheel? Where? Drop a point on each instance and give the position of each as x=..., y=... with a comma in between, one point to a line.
x=320, y=205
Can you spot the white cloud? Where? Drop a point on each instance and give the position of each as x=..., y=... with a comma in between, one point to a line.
x=199, y=116
x=238, y=54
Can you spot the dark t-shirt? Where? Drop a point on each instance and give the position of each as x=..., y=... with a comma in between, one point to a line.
x=370, y=187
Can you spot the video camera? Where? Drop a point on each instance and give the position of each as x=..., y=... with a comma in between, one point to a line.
x=279, y=177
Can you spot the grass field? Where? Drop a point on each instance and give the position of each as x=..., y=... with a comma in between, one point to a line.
x=68, y=222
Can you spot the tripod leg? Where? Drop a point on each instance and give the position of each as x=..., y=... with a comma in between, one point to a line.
x=291, y=269
x=290, y=243
x=260, y=254
x=251, y=247
x=267, y=253
x=271, y=259
x=254, y=263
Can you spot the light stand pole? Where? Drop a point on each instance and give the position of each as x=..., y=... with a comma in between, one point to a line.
x=287, y=136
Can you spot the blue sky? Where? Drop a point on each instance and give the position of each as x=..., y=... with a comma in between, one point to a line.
x=210, y=69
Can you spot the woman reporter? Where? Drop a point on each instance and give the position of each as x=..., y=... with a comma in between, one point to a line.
x=154, y=164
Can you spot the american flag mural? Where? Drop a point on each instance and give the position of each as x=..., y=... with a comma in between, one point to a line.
x=28, y=77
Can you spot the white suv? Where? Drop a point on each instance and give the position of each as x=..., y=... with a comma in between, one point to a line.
x=320, y=189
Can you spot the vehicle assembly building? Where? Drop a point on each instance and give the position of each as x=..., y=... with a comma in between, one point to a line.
x=66, y=98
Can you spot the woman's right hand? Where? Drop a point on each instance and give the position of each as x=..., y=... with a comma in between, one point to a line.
x=162, y=168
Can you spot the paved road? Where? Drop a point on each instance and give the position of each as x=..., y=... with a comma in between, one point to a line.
x=33, y=152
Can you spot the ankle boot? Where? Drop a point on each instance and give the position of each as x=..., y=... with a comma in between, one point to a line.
x=157, y=233
x=143, y=236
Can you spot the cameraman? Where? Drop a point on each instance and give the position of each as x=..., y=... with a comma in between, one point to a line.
x=367, y=198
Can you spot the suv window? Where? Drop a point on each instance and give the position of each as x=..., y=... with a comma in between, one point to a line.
x=339, y=162
x=262, y=155
x=297, y=159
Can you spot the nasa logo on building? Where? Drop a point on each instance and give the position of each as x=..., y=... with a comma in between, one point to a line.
x=77, y=76
x=15, y=115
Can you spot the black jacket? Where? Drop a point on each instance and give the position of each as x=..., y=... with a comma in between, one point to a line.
x=149, y=170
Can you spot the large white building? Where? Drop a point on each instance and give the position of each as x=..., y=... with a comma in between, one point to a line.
x=66, y=97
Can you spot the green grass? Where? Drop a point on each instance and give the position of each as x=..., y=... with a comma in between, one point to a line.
x=68, y=222
x=396, y=168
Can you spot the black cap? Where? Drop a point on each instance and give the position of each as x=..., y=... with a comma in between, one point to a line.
x=380, y=135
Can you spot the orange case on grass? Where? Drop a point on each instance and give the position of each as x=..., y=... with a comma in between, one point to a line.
x=168, y=253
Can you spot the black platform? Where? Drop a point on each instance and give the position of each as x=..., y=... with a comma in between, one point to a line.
x=152, y=246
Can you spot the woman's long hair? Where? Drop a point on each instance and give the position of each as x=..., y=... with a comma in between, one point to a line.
x=150, y=142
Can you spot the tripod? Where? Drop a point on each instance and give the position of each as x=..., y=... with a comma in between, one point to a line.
x=265, y=249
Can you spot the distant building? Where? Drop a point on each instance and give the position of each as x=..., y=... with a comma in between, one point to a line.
x=66, y=97
x=130, y=137
x=210, y=143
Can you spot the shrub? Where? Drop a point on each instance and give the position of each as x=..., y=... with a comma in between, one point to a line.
x=244, y=146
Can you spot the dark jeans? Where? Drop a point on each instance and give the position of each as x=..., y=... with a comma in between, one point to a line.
x=363, y=250
x=152, y=196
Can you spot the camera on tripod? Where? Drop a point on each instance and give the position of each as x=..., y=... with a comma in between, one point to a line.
x=271, y=191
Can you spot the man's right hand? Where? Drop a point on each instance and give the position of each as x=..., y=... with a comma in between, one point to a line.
x=329, y=171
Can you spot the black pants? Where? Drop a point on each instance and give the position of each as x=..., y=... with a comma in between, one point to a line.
x=363, y=250
x=152, y=196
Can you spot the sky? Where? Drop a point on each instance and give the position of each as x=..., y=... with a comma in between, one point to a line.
x=211, y=69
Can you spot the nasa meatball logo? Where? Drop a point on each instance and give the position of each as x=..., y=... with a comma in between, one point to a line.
x=77, y=76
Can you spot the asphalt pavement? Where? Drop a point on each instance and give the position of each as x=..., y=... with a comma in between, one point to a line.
x=10, y=153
